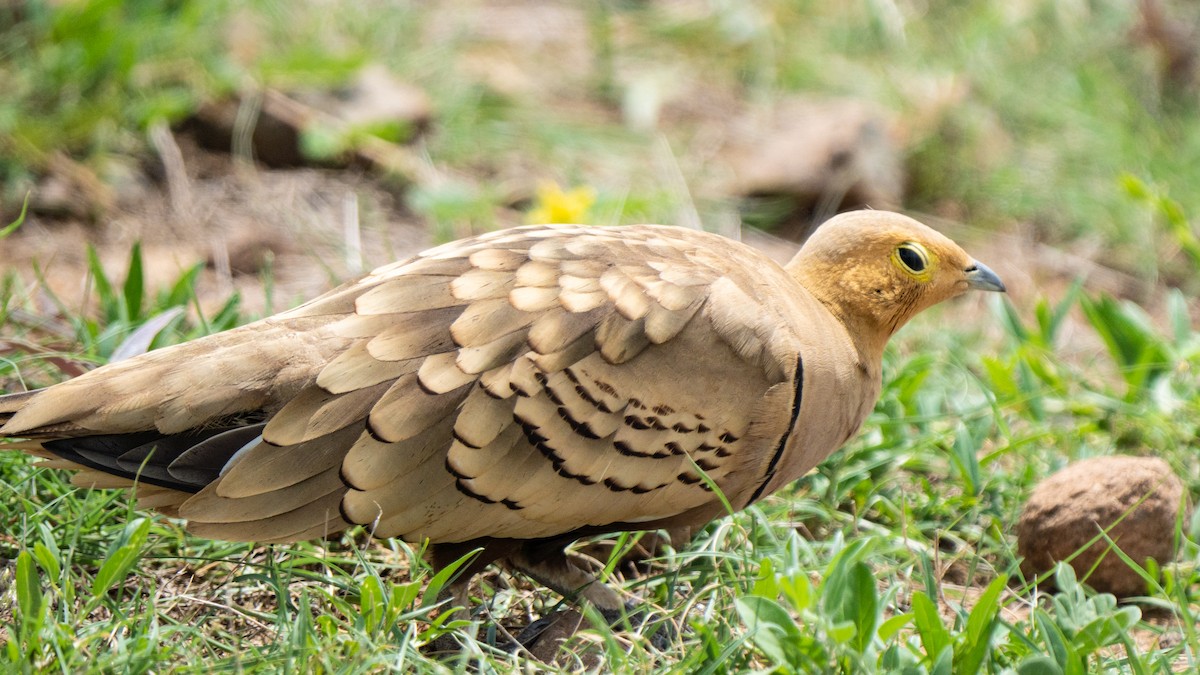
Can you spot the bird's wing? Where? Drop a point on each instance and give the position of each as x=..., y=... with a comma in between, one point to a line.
x=521, y=384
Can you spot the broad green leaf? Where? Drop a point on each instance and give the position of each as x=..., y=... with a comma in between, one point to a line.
x=934, y=636
x=1131, y=340
x=48, y=559
x=404, y=595
x=842, y=632
x=122, y=556
x=1040, y=664
x=1135, y=187
x=983, y=614
x=1000, y=376
x=1106, y=630
x=980, y=625
x=866, y=595
x=29, y=588
x=1051, y=320
x=944, y=664
x=772, y=629
x=1064, y=653
x=765, y=585
x=892, y=625
x=849, y=594
x=798, y=590
x=371, y=604
x=227, y=317
x=1012, y=322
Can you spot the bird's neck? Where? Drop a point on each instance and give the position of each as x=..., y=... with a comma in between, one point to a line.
x=849, y=301
x=869, y=338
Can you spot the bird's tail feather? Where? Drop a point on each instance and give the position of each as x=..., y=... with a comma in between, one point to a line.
x=11, y=403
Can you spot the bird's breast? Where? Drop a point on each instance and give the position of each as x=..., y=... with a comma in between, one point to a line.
x=832, y=392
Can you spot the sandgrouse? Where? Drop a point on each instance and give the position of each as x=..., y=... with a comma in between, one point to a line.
x=512, y=391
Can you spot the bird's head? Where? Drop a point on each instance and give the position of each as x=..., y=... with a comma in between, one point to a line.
x=875, y=270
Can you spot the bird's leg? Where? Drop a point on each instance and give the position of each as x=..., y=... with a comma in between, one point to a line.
x=562, y=573
x=457, y=591
x=456, y=597
x=566, y=574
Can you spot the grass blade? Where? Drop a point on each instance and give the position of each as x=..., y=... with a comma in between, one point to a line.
x=135, y=284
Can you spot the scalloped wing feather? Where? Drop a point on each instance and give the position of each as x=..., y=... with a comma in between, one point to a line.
x=522, y=384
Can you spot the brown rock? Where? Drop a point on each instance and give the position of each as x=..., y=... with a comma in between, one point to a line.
x=1072, y=506
x=249, y=250
x=374, y=99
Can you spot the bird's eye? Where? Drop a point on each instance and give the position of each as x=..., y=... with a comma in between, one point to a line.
x=912, y=258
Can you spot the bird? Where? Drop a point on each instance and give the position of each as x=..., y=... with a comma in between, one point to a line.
x=513, y=392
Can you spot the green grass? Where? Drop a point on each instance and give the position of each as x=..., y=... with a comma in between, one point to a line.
x=895, y=555
x=85, y=78
x=845, y=570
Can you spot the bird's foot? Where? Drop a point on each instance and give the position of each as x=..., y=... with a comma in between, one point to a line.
x=551, y=630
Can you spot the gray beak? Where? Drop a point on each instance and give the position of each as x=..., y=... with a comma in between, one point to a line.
x=982, y=278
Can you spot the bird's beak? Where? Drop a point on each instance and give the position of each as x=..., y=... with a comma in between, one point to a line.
x=982, y=278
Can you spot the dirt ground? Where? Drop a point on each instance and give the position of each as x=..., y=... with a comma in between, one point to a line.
x=299, y=226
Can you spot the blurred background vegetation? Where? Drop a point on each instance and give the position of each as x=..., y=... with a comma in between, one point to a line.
x=1058, y=140
x=1033, y=115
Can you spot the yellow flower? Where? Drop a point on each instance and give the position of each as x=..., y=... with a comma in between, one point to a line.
x=552, y=205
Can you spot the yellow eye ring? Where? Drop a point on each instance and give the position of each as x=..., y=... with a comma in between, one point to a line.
x=913, y=260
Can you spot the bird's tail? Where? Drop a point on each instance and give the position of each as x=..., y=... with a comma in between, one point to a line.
x=9, y=405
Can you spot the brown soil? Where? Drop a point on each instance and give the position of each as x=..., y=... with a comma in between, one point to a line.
x=295, y=225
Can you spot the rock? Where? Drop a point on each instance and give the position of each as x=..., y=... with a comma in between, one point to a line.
x=821, y=156
x=273, y=141
x=249, y=250
x=1072, y=506
x=374, y=101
